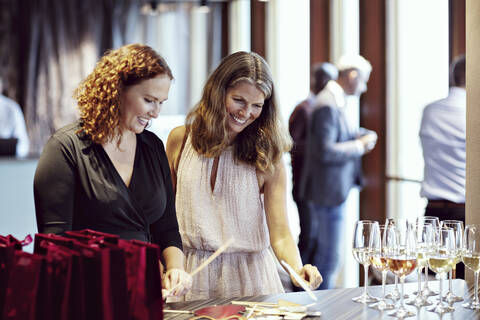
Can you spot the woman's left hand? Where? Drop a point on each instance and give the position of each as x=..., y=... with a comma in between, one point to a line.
x=311, y=275
x=176, y=282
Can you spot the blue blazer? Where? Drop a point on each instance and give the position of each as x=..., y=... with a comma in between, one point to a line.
x=332, y=160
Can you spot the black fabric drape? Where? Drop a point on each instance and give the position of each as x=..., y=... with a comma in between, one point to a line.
x=47, y=47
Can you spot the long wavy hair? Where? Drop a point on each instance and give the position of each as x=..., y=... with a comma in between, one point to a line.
x=263, y=142
x=99, y=96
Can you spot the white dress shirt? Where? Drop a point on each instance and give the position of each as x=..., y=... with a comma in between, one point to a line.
x=442, y=134
x=12, y=124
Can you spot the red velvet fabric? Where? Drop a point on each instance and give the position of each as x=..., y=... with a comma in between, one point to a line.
x=8, y=246
x=22, y=287
x=82, y=275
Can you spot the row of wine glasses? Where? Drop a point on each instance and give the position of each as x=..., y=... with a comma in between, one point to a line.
x=401, y=246
x=392, y=248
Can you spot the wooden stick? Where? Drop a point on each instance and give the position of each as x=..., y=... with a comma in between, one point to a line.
x=253, y=303
x=205, y=263
x=177, y=311
x=212, y=257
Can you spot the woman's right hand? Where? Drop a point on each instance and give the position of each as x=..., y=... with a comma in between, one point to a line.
x=176, y=282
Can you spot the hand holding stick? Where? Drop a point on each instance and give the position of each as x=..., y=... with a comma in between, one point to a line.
x=203, y=264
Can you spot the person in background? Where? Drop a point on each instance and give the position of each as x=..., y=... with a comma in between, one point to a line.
x=230, y=181
x=105, y=171
x=442, y=134
x=297, y=125
x=333, y=163
x=12, y=123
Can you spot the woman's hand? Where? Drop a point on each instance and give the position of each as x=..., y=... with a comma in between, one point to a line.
x=176, y=282
x=311, y=275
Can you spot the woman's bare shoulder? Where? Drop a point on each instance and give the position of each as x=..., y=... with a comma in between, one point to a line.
x=175, y=140
x=177, y=134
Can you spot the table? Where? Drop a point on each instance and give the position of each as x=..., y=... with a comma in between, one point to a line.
x=337, y=303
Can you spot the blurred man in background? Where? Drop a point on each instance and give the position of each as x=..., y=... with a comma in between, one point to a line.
x=442, y=133
x=298, y=123
x=12, y=126
x=333, y=163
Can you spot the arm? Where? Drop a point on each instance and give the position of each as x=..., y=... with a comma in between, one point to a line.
x=281, y=238
x=175, y=281
x=165, y=233
x=54, y=188
x=324, y=131
x=174, y=146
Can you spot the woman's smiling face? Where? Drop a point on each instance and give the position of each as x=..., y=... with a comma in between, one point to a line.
x=244, y=104
x=142, y=102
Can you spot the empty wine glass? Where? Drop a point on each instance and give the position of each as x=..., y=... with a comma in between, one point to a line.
x=363, y=239
x=471, y=259
x=440, y=261
x=457, y=227
x=401, y=258
x=424, y=242
x=378, y=260
x=435, y=223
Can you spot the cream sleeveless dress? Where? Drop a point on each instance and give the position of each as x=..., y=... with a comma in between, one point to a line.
x=208, y=218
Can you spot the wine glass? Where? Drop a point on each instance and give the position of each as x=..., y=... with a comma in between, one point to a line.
x=363, y=239
x=401, y=258
x=471, y=259
x=440, y=260
x=379, y=262
x=435, y=223
x=395, y=294
x=424, y=242
x=457, y=227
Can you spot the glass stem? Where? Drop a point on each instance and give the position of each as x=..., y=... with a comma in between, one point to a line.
x=450, y=281
x=384, y=279
x=402, y=306
x=440, y=293
x=365, y=268
x=419, y=291
x=426, y=279
x=475, y=297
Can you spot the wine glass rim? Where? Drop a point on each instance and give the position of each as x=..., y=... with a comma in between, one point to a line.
x=452, y=222
x=368, y=221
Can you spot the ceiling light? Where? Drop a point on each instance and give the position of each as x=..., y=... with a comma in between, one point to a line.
x=204, y=8
x=150, y=8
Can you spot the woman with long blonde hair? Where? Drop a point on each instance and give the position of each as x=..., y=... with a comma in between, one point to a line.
x=230, y=182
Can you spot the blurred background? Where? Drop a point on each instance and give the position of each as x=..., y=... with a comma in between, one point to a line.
x=48, y=46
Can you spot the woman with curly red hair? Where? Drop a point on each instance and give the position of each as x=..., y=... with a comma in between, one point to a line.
x=230, y=182
x=105, y=171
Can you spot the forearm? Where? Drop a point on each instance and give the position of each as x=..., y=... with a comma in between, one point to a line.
x=338, y=152
x=286, y=249
x=173, y=257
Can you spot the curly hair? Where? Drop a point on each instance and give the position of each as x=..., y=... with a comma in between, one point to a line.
x=99, y=95
x=263, y=142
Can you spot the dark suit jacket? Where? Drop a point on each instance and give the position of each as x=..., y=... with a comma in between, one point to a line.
x=332, y=160
x=297, y=125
